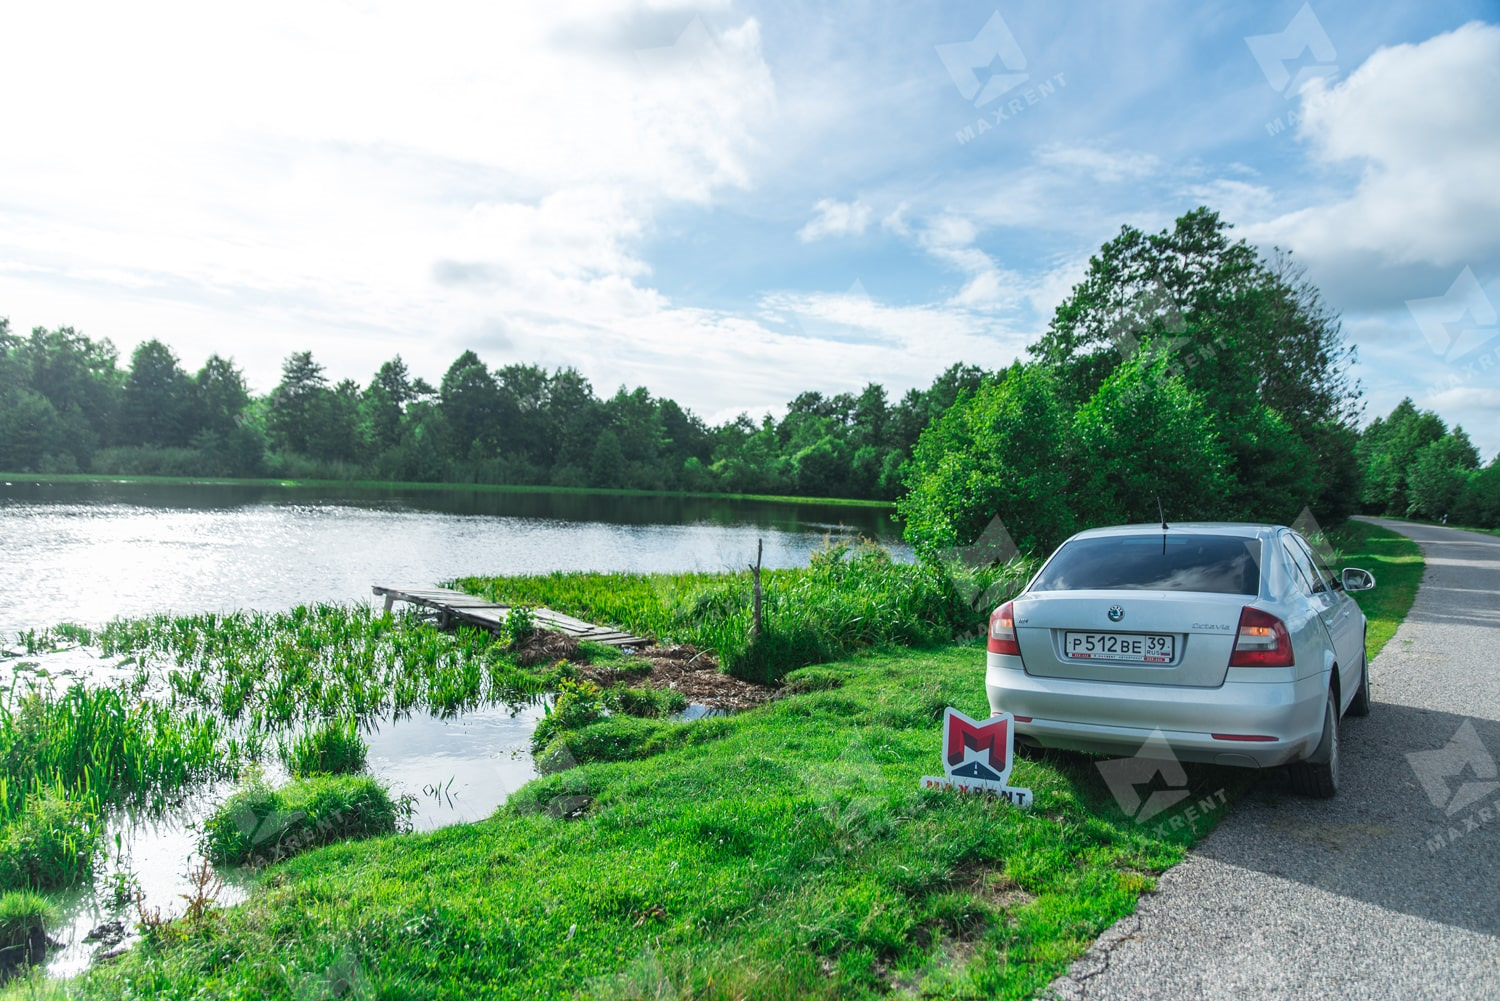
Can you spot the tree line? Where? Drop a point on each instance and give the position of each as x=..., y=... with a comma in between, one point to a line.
x=67, y=405
x=1185, y=369
x=1187, y=374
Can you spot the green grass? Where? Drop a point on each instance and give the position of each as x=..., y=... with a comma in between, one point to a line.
x=512, y=488
x=1397, y=564
x=99, y=745
x=332, y=748
x=24, y=917
x=847, y=599
x=260, y=825
x=50, y=844
x=787, y=853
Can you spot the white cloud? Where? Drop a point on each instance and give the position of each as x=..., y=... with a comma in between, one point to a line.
x=1421, y=123
x=1100, y=165
x=348, y=177
x=834, y=218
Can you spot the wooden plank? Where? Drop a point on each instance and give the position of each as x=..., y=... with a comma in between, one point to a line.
x=450, y=605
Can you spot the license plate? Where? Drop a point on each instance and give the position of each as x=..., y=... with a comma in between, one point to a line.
x=1144, y=648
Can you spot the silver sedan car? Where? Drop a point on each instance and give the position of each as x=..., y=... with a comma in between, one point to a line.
x=1235, y=643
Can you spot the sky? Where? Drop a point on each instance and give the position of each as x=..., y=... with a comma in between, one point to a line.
x=732, y=203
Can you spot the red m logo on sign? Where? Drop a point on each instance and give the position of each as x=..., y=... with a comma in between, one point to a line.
x=960, y=733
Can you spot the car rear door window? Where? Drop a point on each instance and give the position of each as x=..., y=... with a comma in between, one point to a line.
x=1218, y=564
x=1301, y=560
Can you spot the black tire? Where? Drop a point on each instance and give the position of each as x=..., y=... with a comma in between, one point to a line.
x=1360, y=704
x=1318, y=776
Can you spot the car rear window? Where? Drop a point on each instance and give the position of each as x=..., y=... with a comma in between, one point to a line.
x=1217, y=564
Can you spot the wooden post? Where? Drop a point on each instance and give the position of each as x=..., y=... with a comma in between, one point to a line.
x=755, y=626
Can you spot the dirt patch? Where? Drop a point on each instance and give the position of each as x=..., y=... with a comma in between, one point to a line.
x=544, y=646
x=693, y=672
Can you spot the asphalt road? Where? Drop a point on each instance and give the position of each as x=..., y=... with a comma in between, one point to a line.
x=1389, y=890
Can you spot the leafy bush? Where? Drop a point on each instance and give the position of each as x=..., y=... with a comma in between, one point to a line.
x=999, y=453
x=50, y=844
x=577, y=704
x=520, y=623
x=259, y=825
x=334, y=748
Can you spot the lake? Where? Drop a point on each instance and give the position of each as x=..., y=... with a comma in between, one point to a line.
x=88, y=552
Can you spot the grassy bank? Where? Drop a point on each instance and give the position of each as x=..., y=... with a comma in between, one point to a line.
x=788, y=854
x=1397, y=565
x=503, y=488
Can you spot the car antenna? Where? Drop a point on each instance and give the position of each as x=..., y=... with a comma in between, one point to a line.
x=1163, y=517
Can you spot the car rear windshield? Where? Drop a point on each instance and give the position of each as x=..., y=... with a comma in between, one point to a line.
x=1218, y=564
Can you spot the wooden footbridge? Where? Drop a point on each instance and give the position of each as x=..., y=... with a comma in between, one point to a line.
x=470, y=609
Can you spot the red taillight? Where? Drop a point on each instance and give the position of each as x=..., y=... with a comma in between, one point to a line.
x=1262, y=641
x=1003, y=631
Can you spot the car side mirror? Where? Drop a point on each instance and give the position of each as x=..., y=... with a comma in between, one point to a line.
x=1356, y=579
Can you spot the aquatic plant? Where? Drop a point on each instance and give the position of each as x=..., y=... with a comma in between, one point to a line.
x=333, y=748
x=52, y=843
x=96, y=746
x=24, y=917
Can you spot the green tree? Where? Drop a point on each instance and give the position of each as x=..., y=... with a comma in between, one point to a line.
x=1479, y=502
x=473, y=415
x=1439, y=472
x=999, y=453
x=1145, y=435
x=1386, y=451
x=384, y=403
x=156, y=404
x=221, y=395
x=291, y=420
x=79, y=378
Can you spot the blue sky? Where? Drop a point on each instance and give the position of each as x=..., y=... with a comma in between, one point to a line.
x=732, y=203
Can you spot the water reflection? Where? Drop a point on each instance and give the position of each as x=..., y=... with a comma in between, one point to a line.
x=89, y=552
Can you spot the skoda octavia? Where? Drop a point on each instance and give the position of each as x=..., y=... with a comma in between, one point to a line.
x=1236, y=644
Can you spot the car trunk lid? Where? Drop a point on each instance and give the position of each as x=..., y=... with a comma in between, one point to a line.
x=1128, y=636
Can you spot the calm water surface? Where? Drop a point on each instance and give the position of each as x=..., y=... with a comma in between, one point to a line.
x=87, y=553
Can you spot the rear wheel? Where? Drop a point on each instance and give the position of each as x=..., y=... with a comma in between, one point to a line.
x=1318, y=776
x=1360, y=704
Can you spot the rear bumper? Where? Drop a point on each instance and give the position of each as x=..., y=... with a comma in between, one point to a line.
x=1117, y=718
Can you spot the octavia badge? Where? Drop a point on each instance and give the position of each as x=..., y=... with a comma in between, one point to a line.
x=1116, y=613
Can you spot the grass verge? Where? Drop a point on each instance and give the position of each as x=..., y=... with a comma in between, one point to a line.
x=1397, y=564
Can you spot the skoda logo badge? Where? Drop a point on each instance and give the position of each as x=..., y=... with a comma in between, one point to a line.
x=1116, y=613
